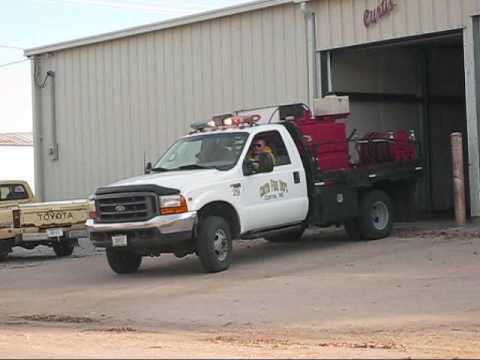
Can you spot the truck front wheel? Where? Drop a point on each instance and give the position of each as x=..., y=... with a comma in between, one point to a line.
x=375, y=220
x=214, y=244
x=123, y=261
x=64, y=248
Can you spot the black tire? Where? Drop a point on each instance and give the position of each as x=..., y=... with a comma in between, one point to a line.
x=214, y=244
x=4, y=255
x=64, y=248
x=123, y=261
x=375, y=220
x=290, y=236
x=352, y=228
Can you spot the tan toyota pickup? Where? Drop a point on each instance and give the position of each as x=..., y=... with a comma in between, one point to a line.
x=28, y=224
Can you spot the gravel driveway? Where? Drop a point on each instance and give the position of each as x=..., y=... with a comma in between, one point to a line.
x=415, y=294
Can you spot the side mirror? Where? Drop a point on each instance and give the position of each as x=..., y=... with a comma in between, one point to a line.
x=266, y=162
x=148, y=168
x=249, y=168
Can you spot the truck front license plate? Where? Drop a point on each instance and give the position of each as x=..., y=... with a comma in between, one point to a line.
x=54, y=233
x=119, y=241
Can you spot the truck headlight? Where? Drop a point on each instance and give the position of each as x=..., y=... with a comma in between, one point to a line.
x=172, y=204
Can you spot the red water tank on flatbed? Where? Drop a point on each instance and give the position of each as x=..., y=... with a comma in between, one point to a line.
x=327, y=140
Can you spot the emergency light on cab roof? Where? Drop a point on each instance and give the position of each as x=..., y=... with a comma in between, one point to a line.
x=226, y=121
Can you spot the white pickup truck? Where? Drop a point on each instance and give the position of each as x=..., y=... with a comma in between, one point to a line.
x=208, y=190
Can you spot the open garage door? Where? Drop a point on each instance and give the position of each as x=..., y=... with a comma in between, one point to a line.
x=416, y=84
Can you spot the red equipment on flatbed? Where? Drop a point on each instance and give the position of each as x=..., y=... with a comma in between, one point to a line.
x=326, y=138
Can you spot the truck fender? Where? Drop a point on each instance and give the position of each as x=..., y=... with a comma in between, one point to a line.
x=223, y=209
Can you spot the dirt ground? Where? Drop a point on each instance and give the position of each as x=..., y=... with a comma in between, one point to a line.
x=416, y=294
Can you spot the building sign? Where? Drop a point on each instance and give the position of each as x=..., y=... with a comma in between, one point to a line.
x=371, y=17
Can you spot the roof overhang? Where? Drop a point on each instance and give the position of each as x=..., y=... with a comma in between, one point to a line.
x=138, y=30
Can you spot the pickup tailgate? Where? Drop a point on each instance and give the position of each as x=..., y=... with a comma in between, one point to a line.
x=6, y=224
x=54, y=214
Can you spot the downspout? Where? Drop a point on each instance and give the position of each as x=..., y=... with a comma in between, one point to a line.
x=53, y=150
x=311, y=42
x=37, y=130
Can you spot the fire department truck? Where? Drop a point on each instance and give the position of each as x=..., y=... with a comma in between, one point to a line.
x=210, y=188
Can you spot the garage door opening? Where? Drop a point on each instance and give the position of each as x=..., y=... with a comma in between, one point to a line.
x=417, y=84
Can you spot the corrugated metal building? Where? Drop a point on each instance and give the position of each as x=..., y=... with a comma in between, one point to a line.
x=103, y=103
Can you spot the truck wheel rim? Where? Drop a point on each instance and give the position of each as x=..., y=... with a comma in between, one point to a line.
x=380, y=215
x=220, y=245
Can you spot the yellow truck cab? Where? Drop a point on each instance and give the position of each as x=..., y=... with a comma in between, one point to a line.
x=28, y=224
x=14, y=193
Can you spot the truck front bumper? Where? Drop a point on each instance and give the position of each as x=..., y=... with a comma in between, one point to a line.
x=157, y=233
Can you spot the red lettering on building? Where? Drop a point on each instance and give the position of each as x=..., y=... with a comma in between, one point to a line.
x=371, y=17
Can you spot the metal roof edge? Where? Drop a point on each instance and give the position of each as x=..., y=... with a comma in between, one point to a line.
x=143, y=29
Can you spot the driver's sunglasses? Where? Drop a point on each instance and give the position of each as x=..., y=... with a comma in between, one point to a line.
x=258, y=145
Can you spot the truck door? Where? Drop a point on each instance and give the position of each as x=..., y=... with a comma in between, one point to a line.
x=278, y=198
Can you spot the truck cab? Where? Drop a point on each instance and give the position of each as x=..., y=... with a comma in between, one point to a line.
x=214, y=185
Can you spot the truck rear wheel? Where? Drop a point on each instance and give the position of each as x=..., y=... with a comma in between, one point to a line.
x=4, y=255
x=5, y=249
x=375, y=220
x=290, y=236
x=123, y=261
x=64, y=248
x=214, y=244
x=352, y=228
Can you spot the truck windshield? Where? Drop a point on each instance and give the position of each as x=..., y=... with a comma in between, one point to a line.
x=210, y=151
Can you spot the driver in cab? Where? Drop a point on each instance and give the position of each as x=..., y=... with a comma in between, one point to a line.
x=260, y=146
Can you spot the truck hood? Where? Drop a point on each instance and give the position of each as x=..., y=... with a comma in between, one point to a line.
x=180, y=180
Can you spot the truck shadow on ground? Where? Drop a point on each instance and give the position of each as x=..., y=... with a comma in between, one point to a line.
x=250, y=252
x=40, y=255
x=15, y=261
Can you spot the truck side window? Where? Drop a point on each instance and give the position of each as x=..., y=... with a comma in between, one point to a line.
x=273, y=143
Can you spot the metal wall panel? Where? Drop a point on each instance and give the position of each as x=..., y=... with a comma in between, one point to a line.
x=340, y=22
x=119, y=100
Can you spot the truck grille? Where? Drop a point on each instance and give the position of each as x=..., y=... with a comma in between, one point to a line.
x=126, y=207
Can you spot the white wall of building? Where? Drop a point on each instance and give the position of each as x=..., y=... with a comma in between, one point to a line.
x=16, y=163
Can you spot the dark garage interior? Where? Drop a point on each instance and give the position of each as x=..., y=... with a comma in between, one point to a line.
x=418, y=84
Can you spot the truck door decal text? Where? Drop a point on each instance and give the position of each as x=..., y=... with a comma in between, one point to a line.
x=274, y=189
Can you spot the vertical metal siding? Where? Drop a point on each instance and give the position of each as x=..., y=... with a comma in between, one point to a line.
x=340, y=22
x=119, y=99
